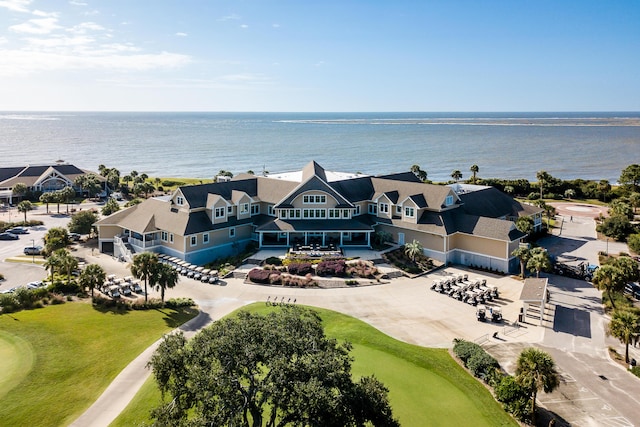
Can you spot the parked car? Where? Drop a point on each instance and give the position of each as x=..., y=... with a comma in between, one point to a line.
x=74, y=236
x=33, y=250
x=632, y=289
x=18, y=230
x=8, y=236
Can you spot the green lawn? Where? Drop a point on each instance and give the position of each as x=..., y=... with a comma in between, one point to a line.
x=427, y=387
x=57, y=360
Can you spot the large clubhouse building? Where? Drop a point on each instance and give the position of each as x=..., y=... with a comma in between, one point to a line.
x=459, y=223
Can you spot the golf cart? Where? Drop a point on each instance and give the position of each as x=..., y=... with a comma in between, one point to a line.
x=496, y=314
x=481, y=313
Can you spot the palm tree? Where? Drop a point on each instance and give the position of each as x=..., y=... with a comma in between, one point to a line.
x=624, y=325
x=165, y=277
x=413, y=249
x=56, y=238
x=610, y=279
x=143, y=266
x=536, y=371
x=67, y=262
x=474, y=170
x=52, y=264
x=456, y=175
x=570, y=193
x=24, y=207
x=523, y=254
x=525, y=224
x=604, y=187
x=421, y=174
x=543, y=177
x=509, y=189
x=67, y=193
x=46, y=198
x=539, y=261
x=92, y=276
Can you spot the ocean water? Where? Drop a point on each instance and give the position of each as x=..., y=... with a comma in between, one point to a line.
x=503, y=145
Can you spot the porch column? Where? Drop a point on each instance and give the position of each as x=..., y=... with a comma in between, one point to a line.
x=306, y=240
x=288, y=235
x=260, y=239
x=324, y=234
x=144, y=241
x=341, y=238
x=368, y=239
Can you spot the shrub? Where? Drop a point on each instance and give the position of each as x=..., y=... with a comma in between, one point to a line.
x=465, y=349
x=514, y=397
x=24, y=297
x=273, y=260
x=616, y=226
x=60, y=287
x=172, y=183
x=300, y=268
x=635, y=371
x=258, y=275
x=481, y=364
x=9, y=303
x=634, y=243
x=179, y=302
x=335, y=268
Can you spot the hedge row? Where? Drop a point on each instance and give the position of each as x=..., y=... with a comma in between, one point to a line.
x=514, y=397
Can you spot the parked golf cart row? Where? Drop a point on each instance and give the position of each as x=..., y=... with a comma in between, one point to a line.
x=115, y=287
x=191, y=271
x=472, y=292
x=493, y=313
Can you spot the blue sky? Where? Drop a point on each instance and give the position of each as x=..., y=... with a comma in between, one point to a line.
x=328, y=55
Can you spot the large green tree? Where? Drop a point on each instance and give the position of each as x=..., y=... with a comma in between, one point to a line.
x=624, y=325
x=543, y=177
x=421, y=174
x=536, y=371
x=456, y=175
x=19, y=189
x=110, y=207
x=82, y=222
x=525, y=224
x=630, y=176
x=91, y=277
x=89, y=183
x=143, y=267
x=271, y=370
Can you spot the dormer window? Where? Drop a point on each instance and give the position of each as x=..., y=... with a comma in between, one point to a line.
x=179, y=200
x=244, y=208
x=373, y=209
x=314, y=199
x=384, y=208
x=220, y=212
x=409, y=212
x=448, y=201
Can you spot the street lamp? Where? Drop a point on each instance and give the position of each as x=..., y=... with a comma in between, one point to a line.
x=33, y=251
x=607, y=247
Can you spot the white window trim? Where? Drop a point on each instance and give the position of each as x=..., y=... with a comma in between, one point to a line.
x=191, y=241
x=205, y=238
x=164, y=236
x=232, y=232
x=179, y=200
x=448, y=201
x=314, y=199
x=170, y=237
x=222, y=212
x=408, y=209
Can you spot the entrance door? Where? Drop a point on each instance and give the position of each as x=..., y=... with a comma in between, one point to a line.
x=401, y=239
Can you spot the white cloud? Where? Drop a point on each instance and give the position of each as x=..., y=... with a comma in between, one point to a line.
x=45, y=14
x=56, y=42
x=275, y=25
x=84, y=27
x=37, y=26
x=180, y=34
x=77, y=3
x=16, y=62
x=16, y=5
x=231, y=81
x=231, y=17
x=244, y=26
x=3, y=40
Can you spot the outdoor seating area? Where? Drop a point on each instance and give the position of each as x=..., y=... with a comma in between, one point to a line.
x=471, y=292
x=116, y=287
x=316, y=250
x=191, y=271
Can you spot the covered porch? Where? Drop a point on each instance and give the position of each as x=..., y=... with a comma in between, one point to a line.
x=308, y=235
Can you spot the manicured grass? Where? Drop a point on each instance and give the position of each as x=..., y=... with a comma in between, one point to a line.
x=426, y=386
x=76, y=351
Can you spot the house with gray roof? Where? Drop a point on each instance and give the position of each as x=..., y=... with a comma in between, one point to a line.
x=469, y=225
x=39, y=178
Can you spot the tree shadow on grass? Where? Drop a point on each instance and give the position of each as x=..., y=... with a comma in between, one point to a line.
x=110, y=308
x=178, y=316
